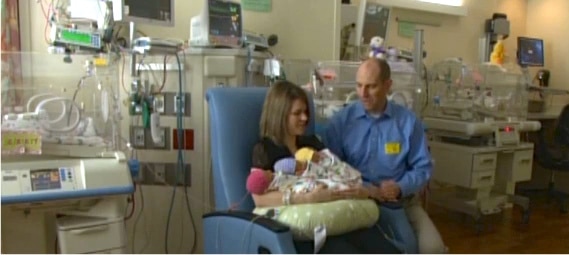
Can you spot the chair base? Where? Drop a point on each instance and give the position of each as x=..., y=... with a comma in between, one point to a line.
x=561, y=197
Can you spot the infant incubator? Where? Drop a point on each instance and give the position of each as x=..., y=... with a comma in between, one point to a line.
x=334, y=86
x=57, y=108
x=475, y=119
x=477, y=93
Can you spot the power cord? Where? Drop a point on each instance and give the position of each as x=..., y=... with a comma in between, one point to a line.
x=136, y=221
x=250, y=232
x=133, y=205
x=181, y=164
x=175, y=186
x=183, y=168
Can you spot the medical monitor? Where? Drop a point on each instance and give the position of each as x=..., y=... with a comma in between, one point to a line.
x=152, y=12
x=372, y=20
x=530, y=51
x=219, y=25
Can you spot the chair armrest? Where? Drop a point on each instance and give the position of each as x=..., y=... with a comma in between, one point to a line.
x=270, y=224
x=245, y=232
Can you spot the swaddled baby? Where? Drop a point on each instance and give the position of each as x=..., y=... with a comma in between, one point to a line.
x=305, y=172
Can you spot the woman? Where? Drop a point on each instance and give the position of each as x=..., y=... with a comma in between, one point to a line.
x=284, y=120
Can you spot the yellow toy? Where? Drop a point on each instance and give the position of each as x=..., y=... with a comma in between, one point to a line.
x=497, y=56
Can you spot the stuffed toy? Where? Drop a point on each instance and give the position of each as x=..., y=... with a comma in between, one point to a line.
x=392, y=54
x=497, y=56
x=376, y=48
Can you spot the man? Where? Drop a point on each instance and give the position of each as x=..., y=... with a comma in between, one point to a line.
x=386, y=143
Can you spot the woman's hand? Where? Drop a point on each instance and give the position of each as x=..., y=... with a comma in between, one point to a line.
x=356, y=192
x=322, y=194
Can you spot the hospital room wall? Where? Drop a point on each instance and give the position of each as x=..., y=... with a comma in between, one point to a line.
x=548, y=19
x=457, y=36
x=306, y=29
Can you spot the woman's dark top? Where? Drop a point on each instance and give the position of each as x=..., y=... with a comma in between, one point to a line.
x=266, y=152
x=370, y=240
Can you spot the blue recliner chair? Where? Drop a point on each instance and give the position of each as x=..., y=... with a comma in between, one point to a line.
x=234, y=122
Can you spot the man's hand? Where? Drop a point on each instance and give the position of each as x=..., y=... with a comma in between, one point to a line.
x=390, y=190
x=376, y=193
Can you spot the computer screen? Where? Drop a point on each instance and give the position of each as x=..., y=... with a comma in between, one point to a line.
x=530, y=51
x=225, y=19
x=155, y=12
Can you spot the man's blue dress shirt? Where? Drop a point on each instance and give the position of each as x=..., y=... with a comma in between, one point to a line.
x=391, y=146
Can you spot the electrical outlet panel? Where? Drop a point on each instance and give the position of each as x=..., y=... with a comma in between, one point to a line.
x=143, y=175
x=137, y=137
x=171, y=104
x=184, y=177
x=151, y=174
x=141, y=138
x=165, y=174
x=159, y=173
x=165, y=141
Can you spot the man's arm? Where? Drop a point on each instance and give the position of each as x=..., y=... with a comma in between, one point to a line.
x=419, y=162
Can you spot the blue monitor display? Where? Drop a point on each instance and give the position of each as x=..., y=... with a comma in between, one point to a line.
x=530, y=51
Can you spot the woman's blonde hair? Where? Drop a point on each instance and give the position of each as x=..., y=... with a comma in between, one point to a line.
x=277, y=107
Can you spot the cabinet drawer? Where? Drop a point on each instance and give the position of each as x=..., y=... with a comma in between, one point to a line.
x=484, y=162
x=92, y=238
x=522, y=166
x=482, y=179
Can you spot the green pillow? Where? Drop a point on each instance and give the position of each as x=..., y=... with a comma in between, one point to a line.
x=339, y=217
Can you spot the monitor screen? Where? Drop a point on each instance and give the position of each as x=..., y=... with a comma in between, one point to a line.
x=225, y=18
x=45, y=179
x=150, y=11
x=530, y=51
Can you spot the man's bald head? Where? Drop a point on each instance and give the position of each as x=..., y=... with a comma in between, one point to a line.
x=380, y=67
x=374, y=82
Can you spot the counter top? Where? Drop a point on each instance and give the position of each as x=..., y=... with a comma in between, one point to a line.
x=552, y=112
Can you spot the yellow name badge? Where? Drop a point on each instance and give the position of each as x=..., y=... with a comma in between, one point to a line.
x=392, y=148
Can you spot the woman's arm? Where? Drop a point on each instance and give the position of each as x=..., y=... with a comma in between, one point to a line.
x=275, y=198
x=319, y=195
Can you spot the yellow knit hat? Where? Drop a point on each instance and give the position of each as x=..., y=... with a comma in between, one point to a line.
x=304, y=154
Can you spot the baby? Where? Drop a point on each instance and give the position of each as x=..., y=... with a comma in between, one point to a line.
x=305, y=172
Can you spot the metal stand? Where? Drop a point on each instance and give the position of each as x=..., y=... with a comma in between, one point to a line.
x=478, y=208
